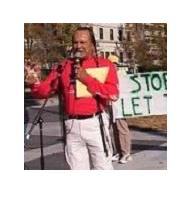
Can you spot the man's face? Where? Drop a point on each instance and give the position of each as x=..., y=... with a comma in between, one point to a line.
x=83, y=44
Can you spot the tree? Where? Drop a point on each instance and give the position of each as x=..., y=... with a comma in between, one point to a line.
x=47, y=42
x=148, y=46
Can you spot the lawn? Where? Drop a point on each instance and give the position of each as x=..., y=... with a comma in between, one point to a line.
x=154, y=123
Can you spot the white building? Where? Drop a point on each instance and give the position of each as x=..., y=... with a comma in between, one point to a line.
x=109, y=37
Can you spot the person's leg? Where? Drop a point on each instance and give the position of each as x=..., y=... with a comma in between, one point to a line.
x=91, y=132
x=76, y=149
x=124, y=136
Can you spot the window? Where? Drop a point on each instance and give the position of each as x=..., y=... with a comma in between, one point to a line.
x=120, y=35
x=101, y=33
x=128, y=36
x=111, y=34
x=121, y=56
x=107, y=54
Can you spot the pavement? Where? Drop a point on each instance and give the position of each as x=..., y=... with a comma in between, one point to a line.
x=149, y=148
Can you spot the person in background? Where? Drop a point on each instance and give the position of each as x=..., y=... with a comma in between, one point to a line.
x=86, y=146
x=121, y=133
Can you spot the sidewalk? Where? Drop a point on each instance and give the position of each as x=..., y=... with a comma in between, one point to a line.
x=149, y=150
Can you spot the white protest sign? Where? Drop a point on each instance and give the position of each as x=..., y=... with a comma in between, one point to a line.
x=142, y=94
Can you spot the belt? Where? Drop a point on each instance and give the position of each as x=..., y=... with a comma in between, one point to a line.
x=83, y=116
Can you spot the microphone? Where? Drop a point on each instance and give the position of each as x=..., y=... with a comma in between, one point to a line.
x=77, y=57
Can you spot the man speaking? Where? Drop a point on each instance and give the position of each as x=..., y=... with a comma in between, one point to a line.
x=87, y=127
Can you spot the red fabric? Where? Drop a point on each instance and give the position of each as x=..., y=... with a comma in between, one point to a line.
x=80, y=106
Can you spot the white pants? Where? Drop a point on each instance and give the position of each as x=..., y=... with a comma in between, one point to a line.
x=84, y=149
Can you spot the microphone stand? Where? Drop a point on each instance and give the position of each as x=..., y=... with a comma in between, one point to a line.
x=38, y=119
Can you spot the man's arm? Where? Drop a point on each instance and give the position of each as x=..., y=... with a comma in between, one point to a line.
x=107, y=90
x=44, y=88
x=40, y=89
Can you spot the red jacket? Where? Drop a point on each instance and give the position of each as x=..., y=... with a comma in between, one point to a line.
x=81, y=106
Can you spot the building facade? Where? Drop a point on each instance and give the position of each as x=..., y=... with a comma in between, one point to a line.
x=109, y=39
x=135, y=44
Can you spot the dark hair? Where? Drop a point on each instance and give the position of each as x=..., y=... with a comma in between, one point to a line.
x=90, y=30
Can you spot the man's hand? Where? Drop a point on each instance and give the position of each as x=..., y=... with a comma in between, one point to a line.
x=32, y=74
x=81, y=73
